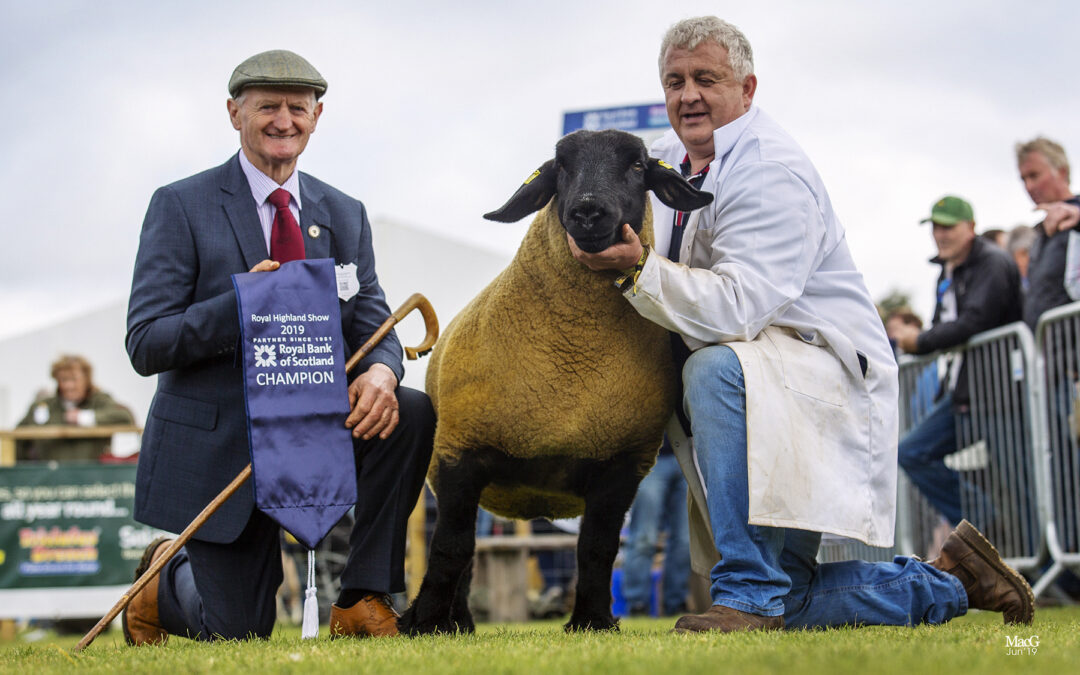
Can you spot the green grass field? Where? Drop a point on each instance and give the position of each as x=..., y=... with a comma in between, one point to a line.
x=972, y=644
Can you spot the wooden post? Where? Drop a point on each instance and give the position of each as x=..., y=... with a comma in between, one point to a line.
x=507, y=581
x=502, y=568
x=416, y=555
x=7, y=450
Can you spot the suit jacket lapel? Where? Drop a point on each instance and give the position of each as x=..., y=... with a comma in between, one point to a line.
x=240, y=209
x=314, y=220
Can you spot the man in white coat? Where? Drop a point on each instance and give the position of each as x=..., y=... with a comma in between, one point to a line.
x=789, y=383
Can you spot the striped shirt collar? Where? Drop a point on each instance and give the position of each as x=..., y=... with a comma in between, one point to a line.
x=698, y=177
x=262, y=185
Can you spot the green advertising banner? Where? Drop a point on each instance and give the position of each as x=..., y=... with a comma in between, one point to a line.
x=69, y=525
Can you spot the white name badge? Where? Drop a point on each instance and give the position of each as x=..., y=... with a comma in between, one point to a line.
x=347, y=283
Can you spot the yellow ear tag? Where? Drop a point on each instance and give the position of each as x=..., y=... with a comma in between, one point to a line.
x=665, y=164
x=531, y=177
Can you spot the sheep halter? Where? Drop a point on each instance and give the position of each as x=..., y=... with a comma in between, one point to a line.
x=631, y=276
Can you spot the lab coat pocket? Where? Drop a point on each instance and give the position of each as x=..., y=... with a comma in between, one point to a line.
x=810, y=370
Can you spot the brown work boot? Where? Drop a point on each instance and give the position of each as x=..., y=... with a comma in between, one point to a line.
x=140, y=618
x=726, y=620
x=989, y=582
x=374, y=616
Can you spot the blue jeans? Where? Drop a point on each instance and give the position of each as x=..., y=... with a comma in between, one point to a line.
x=773, y=571
x=660, y=501
x=922, y=454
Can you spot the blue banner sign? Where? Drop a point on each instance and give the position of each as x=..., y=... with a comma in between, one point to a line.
x=297, y=396
x=635, y=119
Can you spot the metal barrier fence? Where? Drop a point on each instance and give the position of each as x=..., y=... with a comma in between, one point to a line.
x=1002, y=462
x=1057, y=336
x=1000, y=465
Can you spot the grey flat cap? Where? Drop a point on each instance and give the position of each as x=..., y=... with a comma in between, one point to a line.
x=276, y=68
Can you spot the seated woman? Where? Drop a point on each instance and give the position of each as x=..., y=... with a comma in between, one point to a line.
x=77, y=403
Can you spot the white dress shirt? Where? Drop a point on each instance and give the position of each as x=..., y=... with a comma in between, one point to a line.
x=261, y=187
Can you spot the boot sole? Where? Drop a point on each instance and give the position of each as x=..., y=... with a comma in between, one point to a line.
x=144, y=564
x=981, y=545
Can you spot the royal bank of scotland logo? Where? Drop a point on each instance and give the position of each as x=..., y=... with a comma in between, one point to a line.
x=265, y=355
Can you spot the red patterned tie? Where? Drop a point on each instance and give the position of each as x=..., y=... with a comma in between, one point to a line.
x=286, y=242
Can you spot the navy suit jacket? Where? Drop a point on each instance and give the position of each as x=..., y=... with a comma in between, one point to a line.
x=183, y=325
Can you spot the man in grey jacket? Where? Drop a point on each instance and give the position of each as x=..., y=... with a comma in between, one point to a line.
x=1044, y=169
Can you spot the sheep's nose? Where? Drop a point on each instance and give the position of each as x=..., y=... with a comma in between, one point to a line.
x=587, y=213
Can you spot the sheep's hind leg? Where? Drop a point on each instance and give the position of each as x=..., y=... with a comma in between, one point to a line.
x=459, y=611
x=457, y=492
x=610, y=493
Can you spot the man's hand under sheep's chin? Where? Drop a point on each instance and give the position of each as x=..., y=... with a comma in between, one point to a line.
x=621, y=256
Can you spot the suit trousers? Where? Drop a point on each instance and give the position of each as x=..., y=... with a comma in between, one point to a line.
x=226, y=591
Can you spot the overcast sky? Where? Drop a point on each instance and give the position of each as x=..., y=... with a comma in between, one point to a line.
x=437, y=110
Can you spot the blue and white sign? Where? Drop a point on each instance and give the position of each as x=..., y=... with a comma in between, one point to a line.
x=648, y=121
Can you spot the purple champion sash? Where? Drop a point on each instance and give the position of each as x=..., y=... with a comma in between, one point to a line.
x=297, y=396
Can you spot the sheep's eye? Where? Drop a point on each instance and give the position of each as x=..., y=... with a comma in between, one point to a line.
x=638, y=166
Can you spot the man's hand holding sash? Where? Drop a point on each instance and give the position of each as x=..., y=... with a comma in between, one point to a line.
x=296, y=396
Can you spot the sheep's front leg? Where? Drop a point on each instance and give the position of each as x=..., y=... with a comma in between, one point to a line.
x=457, y=492
x=609, y=496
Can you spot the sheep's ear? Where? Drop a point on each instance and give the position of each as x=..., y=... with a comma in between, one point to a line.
x=534, y=193
x=672, y=189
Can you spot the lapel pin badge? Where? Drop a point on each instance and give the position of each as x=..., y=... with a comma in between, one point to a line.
x=313, y=231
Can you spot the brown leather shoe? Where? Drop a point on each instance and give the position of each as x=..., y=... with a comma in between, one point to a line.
x=989, y=582
x=374, y=616
x=726, y=620
x=140, y=618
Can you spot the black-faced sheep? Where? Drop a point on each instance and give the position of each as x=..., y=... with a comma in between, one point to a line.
x=551, y=392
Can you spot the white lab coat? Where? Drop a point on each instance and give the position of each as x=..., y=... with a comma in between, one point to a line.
x=767, y=272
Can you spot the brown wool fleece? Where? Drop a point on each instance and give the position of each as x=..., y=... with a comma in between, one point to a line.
x=550, y=361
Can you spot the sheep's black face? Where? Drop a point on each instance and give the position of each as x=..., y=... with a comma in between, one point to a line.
x=600, y=183
x=600, y=179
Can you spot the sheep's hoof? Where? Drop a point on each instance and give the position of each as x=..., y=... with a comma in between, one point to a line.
x=576, y=624
x=463, y=621
x=410, y=626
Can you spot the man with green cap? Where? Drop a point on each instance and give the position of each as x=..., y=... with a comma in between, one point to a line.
x=978, y=289
x=253, y=213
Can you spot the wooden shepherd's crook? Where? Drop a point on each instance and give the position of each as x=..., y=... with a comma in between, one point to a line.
x=431, y=323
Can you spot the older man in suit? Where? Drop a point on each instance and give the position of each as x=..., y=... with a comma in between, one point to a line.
x=252, y=213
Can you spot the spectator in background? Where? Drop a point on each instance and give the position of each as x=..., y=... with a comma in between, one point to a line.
x=896, y=320
x=660, y=506
x=1019, y=243
x=978, y=289
x=77, y=403
x=926, y=384
x=995, y=236
x=1044, y=168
